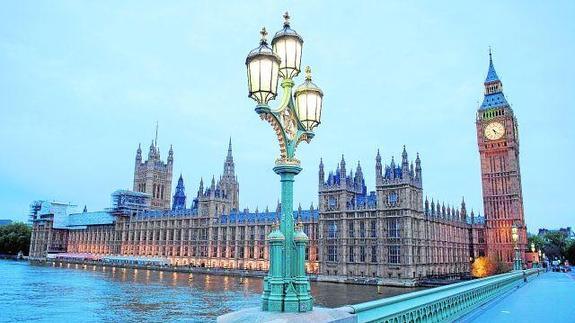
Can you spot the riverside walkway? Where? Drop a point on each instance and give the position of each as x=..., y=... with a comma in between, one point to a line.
x=549, y=298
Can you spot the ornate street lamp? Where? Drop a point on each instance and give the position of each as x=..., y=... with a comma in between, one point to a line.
x=286, y=287
x=515, y=236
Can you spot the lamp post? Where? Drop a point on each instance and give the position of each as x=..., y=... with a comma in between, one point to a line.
x=286, y=287
x=515, y=236
x=532, y=252
x=539, y=259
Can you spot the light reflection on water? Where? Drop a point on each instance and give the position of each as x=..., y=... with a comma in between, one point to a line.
x=94, y=294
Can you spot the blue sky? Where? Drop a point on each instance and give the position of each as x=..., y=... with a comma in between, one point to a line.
x=83, y=82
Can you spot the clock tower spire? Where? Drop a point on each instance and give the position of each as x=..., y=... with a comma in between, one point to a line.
x=498, y=143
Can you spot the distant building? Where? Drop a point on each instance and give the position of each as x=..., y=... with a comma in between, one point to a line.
x=567, y=232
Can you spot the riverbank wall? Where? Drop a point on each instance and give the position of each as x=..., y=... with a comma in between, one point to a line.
x=235, y=273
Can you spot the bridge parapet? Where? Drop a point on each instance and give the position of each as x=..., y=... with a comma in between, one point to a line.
x=446, y=303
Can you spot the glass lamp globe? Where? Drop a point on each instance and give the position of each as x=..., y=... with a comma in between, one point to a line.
x=514, y=234
x=287, y=44
x=262, y=65
x=308, y=99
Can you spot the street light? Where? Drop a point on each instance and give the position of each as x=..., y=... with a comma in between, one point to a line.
x=286, y=287
x=515, y=236
x=539, y=259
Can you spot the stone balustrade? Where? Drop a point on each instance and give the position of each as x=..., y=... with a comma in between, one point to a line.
x=446, y=303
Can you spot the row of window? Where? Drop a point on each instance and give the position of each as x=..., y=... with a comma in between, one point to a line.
x=393, y=251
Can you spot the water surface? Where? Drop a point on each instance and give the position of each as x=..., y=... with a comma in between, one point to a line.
x=45, y=293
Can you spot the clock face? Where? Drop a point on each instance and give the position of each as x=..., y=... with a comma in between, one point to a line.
x=494, y=131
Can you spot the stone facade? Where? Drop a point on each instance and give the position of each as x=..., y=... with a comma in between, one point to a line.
x=498, y=143
x=154, y=177
x=390, y=233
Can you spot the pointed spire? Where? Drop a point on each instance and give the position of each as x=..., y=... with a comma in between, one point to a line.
x=156, y=140
x=85, y=209
x=230, y=149
x=342, y=167
x=491, y=74
x=404, y=160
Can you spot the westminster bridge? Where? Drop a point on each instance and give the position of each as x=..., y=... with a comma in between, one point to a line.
x=525, y=296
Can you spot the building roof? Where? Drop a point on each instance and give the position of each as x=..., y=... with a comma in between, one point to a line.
x=90, y=218
x=494, y=100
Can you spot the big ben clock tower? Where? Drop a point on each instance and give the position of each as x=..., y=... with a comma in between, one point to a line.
x=498, y=142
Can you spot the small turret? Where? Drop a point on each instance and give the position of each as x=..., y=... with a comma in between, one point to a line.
x=418, y=168
x=342, y=170
x=201, y=189
x=171, y=155
x=404, y=161
x=321, y=173
x=463, y=213
x=152, y=151
x=378, y=168
x=392, y=165
x=426, y=206
x=139, y=155
x=179, y=198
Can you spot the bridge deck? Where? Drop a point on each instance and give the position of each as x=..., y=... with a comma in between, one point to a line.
x=550, y=298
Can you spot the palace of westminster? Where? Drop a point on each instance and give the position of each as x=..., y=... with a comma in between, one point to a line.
x=393, y=234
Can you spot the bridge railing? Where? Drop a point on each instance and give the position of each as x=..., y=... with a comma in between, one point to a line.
x=439, y=304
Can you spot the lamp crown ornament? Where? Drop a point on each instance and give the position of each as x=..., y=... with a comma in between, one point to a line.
x=286, y=19
x=264, y=33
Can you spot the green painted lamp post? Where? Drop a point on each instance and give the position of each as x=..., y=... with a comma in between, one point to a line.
x=515, y=236
x=286, y=288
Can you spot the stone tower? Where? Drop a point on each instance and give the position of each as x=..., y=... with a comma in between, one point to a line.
x=498, y=143
x=221, y=196
x=153, y=176
x=400, y=199
x=229, y=180
x=179, y=201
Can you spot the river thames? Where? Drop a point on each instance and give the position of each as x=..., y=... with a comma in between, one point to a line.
x=106, y=294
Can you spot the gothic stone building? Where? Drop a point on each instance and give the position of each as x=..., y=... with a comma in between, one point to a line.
x=212, y=232
x=391, y=233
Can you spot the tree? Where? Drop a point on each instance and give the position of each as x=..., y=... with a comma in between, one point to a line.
x=570, y=253
x=556, y=244
x=538, y=241
x=14, y=238
x=482, y=267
